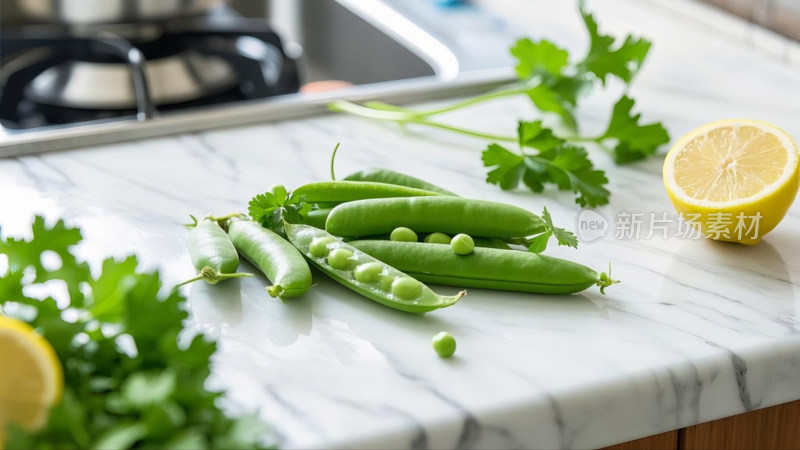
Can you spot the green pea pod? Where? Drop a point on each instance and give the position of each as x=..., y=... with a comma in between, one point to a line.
x=274, y=256
x=317, y=217
x=346, y=191
x=450, y=215
x=489, y=268
x=212, y=253
x=491, y=243
x=396, y=178
x=364, y=274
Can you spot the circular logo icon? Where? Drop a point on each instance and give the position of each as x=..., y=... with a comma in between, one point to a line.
x=591, y=225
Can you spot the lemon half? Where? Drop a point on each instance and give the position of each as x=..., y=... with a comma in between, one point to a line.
x=733, y=180
x=31, y=379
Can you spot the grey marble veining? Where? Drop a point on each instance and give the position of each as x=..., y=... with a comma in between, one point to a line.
x=696, y=331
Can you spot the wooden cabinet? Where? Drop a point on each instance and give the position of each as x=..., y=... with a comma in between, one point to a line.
x=772, y=428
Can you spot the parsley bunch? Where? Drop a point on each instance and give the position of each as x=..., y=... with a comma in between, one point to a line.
x=555, y=85
x=128, y=382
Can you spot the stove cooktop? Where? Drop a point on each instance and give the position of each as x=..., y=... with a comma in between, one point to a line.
x=51, y=77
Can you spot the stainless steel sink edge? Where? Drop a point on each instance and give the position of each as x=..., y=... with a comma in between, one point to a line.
x=252, y=112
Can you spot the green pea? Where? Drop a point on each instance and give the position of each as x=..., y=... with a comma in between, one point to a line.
x=339, y=258
x=407, y=288
x=386, y=282
x=444, y=344
x=368, y=272
x=348, y=266
x=403, y=234
x=437, y=238
x=319, y=246
x=462, y=244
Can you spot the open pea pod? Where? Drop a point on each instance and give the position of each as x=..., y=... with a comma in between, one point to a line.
x=364, y=274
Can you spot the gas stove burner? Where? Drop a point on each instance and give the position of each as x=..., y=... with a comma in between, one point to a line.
x=52, y=76
x=184, y=77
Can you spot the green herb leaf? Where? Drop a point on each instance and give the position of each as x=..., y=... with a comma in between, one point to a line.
x=535, y=135
x=566, y=166
x=507, y=166
x=548, y=100
x=538, y=58
x=538, y=244
x=634, y=141
x=563, y=236
x=605, y=58
x=128, y=382
x=270, y=209
x=570, y=168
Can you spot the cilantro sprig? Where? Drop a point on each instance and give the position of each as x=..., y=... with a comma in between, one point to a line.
x=554, y=161
x=128, y=383
x=271, y=208
x=555, y=85
x=538, y=244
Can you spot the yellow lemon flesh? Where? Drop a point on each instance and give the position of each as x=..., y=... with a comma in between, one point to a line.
x=733, y=180
x=31, y=379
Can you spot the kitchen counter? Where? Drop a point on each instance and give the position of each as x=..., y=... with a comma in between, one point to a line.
x=696, y=331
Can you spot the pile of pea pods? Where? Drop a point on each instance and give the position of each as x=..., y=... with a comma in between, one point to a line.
x=384, y=234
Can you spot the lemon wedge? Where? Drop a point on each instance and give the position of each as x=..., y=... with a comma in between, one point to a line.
x=31, y=379
x=733, y=180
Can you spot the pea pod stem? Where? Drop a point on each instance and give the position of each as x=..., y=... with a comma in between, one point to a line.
x=212, y=252
x=213, y=277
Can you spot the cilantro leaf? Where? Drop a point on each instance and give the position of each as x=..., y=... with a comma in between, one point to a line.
x=538, y=243
x=127, y=380
x=563, y=236
x=507, y=166
x=55, y=241
x=271, y=208
x=605, y=59
x=538, y=58
x=566, y=166
x=634, y=141
x=570, y=168
x=535, y=135
x=548, y=100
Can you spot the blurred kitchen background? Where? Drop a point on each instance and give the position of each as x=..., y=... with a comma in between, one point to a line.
x=84, y=72
x=782, y=16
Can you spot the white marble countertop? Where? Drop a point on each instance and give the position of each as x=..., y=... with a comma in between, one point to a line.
x=696, y=331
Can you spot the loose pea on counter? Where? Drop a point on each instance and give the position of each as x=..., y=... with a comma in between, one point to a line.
x=444, y=344
x=364, y=274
